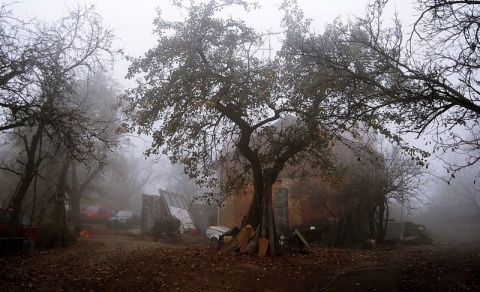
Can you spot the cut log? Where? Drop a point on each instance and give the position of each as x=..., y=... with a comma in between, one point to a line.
x=263, y=246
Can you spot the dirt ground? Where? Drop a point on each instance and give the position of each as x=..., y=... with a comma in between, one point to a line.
x=127, y=262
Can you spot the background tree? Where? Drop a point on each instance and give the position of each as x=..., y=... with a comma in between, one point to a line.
x=172, y=178
x=98, y=94
x=124, y=180
x=462, y=192
x=372, y=185
x=361, y=193
x=208, y=97
x=453, y=214
x=58, y=55
x=78, y=183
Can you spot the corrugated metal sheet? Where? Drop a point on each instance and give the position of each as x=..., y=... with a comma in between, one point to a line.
x=394, y=231
x=178, y=207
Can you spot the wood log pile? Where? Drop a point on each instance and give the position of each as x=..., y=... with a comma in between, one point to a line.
x=248, y=241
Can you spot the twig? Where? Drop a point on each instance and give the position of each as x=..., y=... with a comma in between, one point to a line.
x=348, y=270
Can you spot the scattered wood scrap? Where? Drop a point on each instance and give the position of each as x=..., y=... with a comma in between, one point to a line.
x=253, y=244
x=245, y=239
x=240, y=241
x=263, y=246
x=297, y=241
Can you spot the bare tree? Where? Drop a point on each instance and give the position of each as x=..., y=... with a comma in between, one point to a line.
x=58, y=55
x=16, y=62
x=453, y=213
x=97, y=95
x=371, y=185
x=464, y=191
x=124, y=179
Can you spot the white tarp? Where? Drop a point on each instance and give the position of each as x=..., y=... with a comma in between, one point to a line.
x=216, y=231
x=178, y=207
x=184, y=216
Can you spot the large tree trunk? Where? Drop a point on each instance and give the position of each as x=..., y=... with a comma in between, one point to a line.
x=382, y=223
x=254, y=214
x=271, y=231
x=260, y=214
x=60, y=234
x=378, y=218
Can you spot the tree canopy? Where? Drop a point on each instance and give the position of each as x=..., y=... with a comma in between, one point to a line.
x=212, y=102
x=422, y=81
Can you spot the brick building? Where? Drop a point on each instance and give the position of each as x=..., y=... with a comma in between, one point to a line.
x=292, y=207
x=295, y=203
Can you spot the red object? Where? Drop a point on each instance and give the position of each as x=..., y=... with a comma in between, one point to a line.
x=95, y=214
x=27, y=229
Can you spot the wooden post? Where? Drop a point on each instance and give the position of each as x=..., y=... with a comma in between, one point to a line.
x=263, y=245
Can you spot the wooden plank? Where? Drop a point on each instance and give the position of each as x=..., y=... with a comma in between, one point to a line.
x=227, y=238
x=263, y=246
x=302, y=238
x=232, y=245
x=245, y=239
x=252, y=247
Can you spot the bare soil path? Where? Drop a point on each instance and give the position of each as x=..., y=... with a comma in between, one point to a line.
x=127, y=262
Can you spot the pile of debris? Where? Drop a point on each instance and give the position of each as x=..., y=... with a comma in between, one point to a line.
x=246, y=240
x=408, y=233
x=416, y=234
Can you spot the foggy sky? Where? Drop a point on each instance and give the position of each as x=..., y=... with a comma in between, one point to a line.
x=133, y=20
